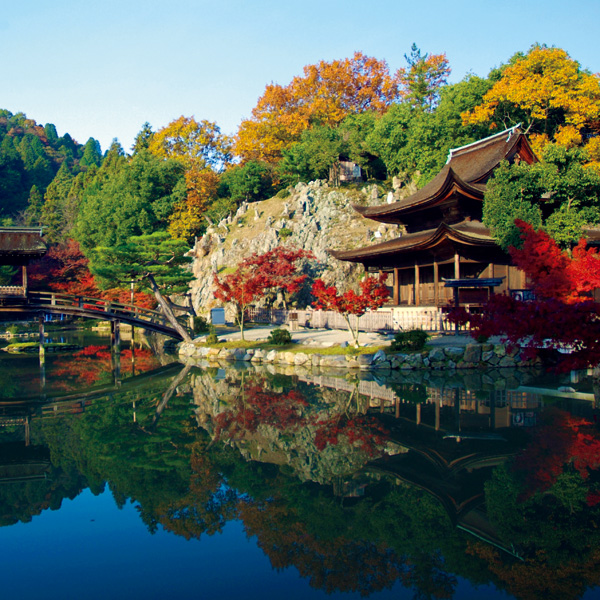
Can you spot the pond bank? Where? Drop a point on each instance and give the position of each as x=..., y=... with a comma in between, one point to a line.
x=441, y=357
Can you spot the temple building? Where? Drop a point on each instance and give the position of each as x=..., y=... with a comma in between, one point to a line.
x=18, y=247
x=443, y=237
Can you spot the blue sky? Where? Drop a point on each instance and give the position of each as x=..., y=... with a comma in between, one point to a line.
x=101, y=69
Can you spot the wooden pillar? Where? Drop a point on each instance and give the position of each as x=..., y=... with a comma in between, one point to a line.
x=24, y=273
x=456, y=265
x=418, y=416
x=115, y=336
x=437, y=413
x=436, y=283
x=417, y=286
x=42, y=335
x=396, y=287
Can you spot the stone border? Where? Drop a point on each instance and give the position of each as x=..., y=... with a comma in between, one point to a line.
x=471, y=356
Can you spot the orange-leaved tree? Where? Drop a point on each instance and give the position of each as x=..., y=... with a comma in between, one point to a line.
x=373, y=294
x=325, y=95
x=194, y=143
x=203, y=151
x=188, y=215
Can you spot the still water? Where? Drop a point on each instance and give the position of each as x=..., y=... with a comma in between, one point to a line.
x=134, y=478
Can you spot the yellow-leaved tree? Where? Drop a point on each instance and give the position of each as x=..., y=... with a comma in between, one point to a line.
x=197, y=144
x=204, y=151
x=555, y=99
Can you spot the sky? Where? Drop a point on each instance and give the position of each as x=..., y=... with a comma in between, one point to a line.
x=102, y=69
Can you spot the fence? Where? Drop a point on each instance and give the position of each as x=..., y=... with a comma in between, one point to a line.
x=430, y=319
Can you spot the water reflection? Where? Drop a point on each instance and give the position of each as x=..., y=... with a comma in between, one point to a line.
x=413, y=480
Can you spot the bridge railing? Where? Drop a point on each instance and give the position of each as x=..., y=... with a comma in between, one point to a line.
x=109, y=307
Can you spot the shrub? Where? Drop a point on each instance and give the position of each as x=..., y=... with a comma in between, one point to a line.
x=211, y=338
x=201, y=325
x=413, y=340
x=284, y=193
x=285, y=232
x=280, y=337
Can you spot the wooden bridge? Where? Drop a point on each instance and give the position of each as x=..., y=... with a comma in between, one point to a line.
x=40, y=303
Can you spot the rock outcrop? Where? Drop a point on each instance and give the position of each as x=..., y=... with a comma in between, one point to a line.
x=314, y=217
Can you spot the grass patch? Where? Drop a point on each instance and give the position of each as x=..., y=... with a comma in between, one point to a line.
x=29, y=347
x=296, y=348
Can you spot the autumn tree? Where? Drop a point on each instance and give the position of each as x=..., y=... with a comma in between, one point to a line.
x=563, y=315
x=188, y=216
x=373, y=294
x=256, y=275
x=325, y=95
x=64, y=268
x=549, y=92
x=198, y=144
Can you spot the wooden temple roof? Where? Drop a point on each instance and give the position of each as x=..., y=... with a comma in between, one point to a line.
x=466, y=233
x=467, y=170
x=19, y=245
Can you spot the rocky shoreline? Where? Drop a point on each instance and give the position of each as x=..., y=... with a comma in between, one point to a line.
x=471, y=356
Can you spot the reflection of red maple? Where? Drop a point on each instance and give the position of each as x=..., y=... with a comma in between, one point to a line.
x=562, y=440
x=88, y=366
x=256, y=405
x=361, y=431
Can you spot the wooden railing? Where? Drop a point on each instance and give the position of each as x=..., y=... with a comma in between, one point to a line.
x=90, y=307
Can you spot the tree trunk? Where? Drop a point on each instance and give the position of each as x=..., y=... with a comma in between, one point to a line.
x=167, y=309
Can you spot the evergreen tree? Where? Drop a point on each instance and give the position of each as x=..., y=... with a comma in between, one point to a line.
x=143, y=138
x=92, y=154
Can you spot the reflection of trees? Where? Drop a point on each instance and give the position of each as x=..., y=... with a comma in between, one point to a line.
x=545, y=504
x=94, y=364
x=255, y=405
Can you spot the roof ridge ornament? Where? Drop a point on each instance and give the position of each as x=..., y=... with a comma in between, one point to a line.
x=510, y=131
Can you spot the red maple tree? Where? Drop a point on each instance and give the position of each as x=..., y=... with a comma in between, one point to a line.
x=373, y=294
x=552, y=272
x=563, y=315
x=258, y=274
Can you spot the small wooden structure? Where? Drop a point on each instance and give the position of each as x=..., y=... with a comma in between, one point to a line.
x=18, y=247
x=442, y=234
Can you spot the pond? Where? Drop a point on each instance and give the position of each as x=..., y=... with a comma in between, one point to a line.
x=139, y=479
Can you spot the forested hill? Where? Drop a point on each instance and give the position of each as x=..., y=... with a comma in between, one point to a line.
x=31, y=156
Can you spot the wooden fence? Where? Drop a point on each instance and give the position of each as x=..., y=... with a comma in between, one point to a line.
x=430, y=319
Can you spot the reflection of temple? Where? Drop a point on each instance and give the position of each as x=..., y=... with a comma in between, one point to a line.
x=20, y=462
x=449, y=408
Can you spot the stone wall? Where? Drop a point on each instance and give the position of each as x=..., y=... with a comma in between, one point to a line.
x=471, y=356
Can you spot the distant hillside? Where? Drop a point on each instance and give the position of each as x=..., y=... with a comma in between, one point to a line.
x=30, y=157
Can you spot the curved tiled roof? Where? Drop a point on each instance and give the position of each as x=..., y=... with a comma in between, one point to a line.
x=466, y=172
x=466, y=232
x=21, y=242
